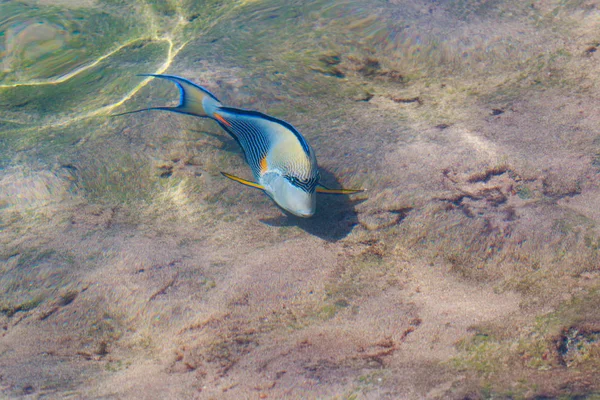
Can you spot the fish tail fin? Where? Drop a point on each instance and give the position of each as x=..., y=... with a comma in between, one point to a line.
x=193, y=99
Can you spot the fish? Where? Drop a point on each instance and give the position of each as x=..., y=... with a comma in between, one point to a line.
x=283, y=163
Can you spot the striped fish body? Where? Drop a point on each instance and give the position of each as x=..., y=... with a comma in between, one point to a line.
x=282, y=161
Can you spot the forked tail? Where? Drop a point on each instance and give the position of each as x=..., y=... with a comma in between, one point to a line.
x=193, y=99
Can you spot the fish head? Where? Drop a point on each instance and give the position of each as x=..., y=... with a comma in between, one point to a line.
x=293, y=194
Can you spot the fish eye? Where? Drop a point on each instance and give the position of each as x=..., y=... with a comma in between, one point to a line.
x=296, y=180
x=307, y=184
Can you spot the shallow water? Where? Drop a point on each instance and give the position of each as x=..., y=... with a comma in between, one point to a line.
x=130, y=268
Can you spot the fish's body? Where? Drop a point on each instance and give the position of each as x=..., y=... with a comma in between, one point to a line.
x=282, y=162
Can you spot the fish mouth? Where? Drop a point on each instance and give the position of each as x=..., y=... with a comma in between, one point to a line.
x=291, y=199
x=301, y=213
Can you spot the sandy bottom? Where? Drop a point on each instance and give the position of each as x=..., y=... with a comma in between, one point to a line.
x=470, y=269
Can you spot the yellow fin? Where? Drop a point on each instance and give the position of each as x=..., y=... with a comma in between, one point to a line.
x=242, y=181
x=324, y=190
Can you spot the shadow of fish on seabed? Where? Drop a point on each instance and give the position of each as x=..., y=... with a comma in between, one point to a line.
x=282, y=162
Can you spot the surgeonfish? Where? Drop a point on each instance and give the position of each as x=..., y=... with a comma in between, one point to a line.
x=282, y=162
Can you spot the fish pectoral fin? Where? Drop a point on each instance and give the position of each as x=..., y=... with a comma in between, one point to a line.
x=326, y=190
x=242, y=181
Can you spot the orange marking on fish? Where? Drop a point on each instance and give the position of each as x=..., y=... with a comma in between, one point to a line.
x=221, y=119
x=263, y=165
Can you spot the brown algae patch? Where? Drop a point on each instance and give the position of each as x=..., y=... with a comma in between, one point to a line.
x=559, y=350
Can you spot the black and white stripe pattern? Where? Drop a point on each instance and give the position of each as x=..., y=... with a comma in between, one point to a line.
x=253, y=142
x=251, y=131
